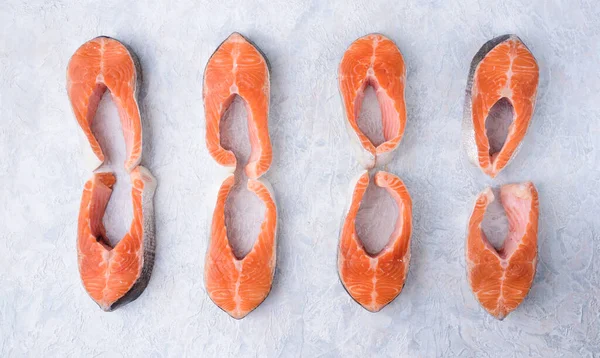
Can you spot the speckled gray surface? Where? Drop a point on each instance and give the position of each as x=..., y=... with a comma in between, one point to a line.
x=43, y=307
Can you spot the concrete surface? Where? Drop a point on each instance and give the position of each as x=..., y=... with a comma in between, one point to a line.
x=44, y=310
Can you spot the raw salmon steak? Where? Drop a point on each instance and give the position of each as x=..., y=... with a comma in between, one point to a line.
x=503, y=70
x=238, y=286
x=238, y=68
x=100, y=64
x=114, y=276
x=375, y=280
x=374, y=60
x=500, y=279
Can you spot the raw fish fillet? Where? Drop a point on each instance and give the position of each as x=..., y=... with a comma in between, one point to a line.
x=376, y=61
x=503, y=70
x=500, y=279
x=375, y=280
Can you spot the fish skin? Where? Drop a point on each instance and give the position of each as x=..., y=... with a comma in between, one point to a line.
x=468, y=130
x=501, y=279
x=391, y=93
x=149, y=241
x=469, y=138
x=367, y=277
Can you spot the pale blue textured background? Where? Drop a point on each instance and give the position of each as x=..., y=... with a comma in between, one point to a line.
x=44, y=310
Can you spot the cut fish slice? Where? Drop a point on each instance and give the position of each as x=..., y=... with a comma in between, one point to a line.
x=376, y=61
x=500, y=279
x=100, y=64
x=238, y=286
x=238, y=68
x=375, y=280
x=504, y=68
x=116, y=276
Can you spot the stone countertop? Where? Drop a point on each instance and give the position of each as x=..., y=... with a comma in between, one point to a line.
x=43, y=307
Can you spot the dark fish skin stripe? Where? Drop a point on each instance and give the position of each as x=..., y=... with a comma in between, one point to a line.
x=480, y=55
x=468, y=136
x=149, y=247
